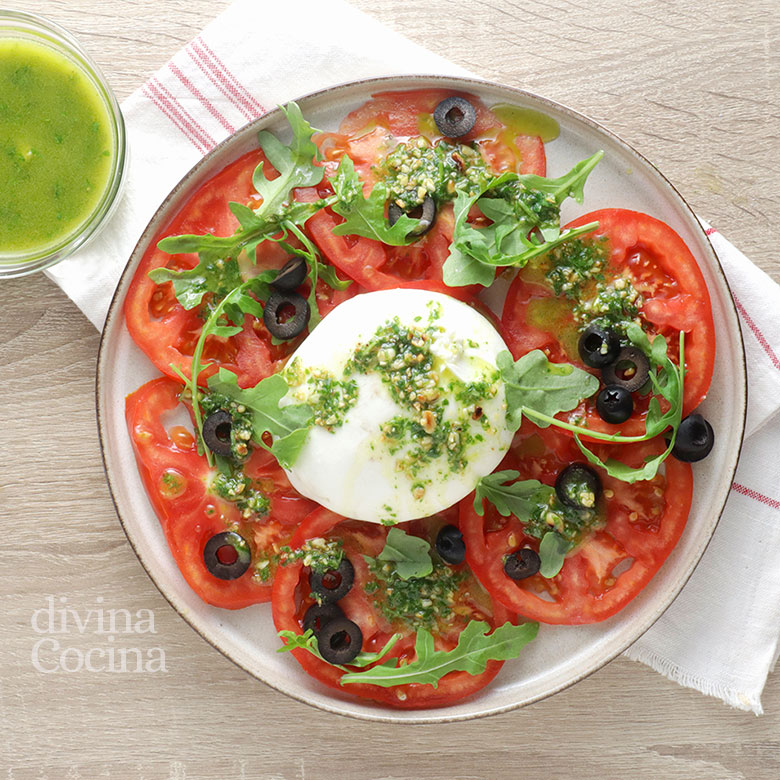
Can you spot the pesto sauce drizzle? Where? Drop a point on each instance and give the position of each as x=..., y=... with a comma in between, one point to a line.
x=570, y=523
x=241, y=422
x=416, y=168
x=330, y=398
x=577, y=270
x=402, y=357
x=419, y=602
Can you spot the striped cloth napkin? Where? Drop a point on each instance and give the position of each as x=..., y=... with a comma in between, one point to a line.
x=721, y=635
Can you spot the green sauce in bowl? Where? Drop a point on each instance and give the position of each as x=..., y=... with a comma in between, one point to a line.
x=61, y=145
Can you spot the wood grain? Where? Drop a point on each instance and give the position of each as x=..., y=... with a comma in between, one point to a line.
x=696, y=92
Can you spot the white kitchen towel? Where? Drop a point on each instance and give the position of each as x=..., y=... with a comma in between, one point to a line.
x=721, y=635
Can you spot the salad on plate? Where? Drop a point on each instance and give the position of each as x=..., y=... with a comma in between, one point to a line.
x=406, y=405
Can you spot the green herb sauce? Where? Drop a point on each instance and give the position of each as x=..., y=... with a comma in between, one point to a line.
x=237, y=487
x=571, y=524
x=416, y=168
x=330, y=398
x=56, y=147
x=419, y=602
x=579, y=271
x=241, y=427
x=402, y=356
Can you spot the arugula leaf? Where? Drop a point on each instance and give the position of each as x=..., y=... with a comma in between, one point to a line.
x=307, y=641
x=410, y=554
x=474, y=649
x=670, y=385
x=541, y=389
x=521, y=499
x=297, y=167
x=289, y=425
x=217, y=276
x=526, y=395
x=295, y=163
x=518, y=498
x=552, y=552
x=366, y=216
x=317, y=269
x=524, y=210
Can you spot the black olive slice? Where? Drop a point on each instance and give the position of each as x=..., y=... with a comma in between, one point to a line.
x=286, y=314
x=578, y=486
x=317, y=615
x=695, y=439
x=291, y=275
x=427, y=216
x=450, y=545
x=630, y=369
x=598, y=347
x=339, y=641
x=454, y=116
x=334, y=584
x=227, y=555
x=217, y=428
x=522, y=563
x=614, y=404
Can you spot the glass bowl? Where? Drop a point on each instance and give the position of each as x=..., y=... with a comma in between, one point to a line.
x=17, y=25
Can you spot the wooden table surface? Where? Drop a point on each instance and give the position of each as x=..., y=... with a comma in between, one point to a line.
x=696, y=91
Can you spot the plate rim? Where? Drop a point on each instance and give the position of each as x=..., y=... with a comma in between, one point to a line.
x=115, y=311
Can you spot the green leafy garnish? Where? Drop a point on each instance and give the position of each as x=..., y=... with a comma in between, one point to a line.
x=540, y=388
x=278, y=215
x=288, y=425
x=668, y=381
x=474, y=649
x=307, y=641
x=524, y=210
x=552, y=553
x=409, y=554
x=522, y=499
x=366, y=216
x=213, y=275
x=509, y=497
x=526, y=396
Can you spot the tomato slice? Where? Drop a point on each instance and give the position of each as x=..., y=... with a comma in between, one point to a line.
x=642, y=523
x=661, y=268
x=366, y=135
x=178, y=482
x=291, y=599
x=167, y=332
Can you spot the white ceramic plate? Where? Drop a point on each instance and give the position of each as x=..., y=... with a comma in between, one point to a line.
x=561, y=655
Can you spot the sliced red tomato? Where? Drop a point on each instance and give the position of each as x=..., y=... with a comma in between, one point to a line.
x=661, y=267
x=366, y=135
x=641, y=525
x=167, y=332
x=178, y=482
x=291, y=600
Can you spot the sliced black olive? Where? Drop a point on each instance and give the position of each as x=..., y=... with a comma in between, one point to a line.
x=450, y=545
x=578, y=486
x=427, y=215
x=598, y=347
x=317, y=615
x=291, y=275
x=630, y=369
x=522, y=563
x=454, y=116
x=286, y=314
x=334, y=584
x=695, y=438
x=227, y=555
x=339, y=641
x=216, y=432
x=614, y=404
